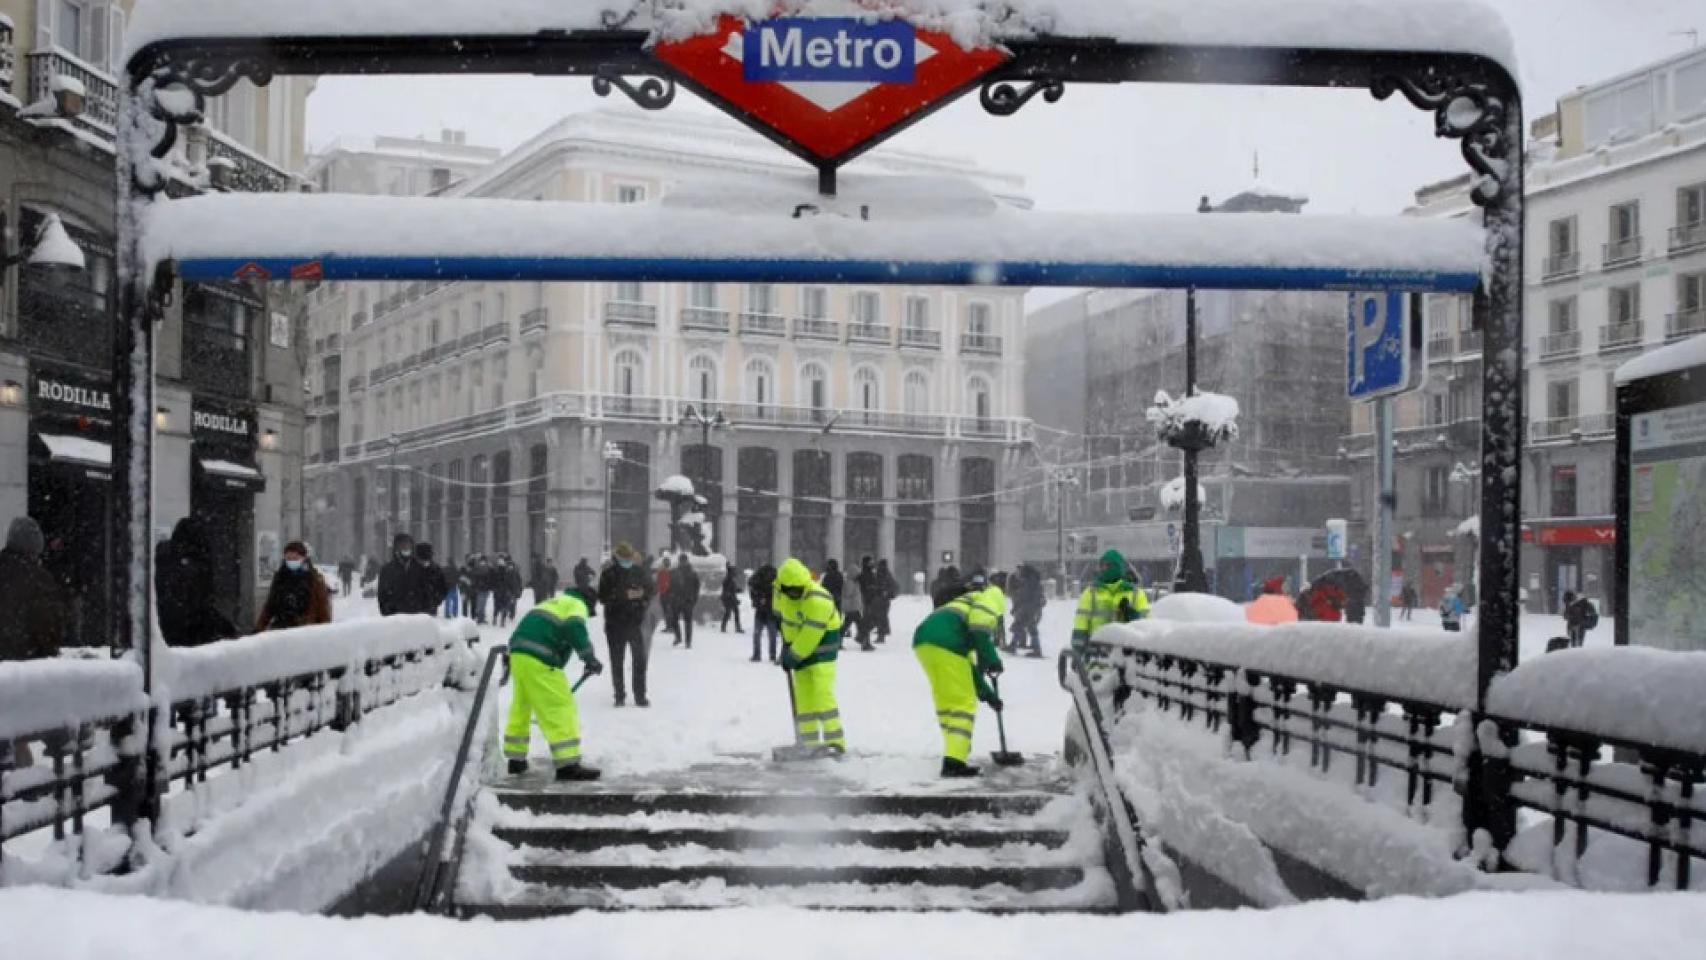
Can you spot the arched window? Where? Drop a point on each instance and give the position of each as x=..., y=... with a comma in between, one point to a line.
x=814, y=389
x=702, y=377
x=980, y=398
x=630, y=374
x=759, y=386
x=917, y=392
x=867, y=389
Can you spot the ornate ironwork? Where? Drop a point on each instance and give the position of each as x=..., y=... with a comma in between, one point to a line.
x=651, y=93
x=1003, y=99
x=175, y=91
x=1464, y=111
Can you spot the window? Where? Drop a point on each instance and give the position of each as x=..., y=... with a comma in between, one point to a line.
x=917, y=392
x=1439, y=317
x=1434, y=496
x=868, y=390
x=502, y=314
x=1691, y=206
x=500, y=374
x=1690, y=292
x=630, y=193
x=455, y=324
x=978, y=398
x=867, y=308
x=1562, y=317
x=1564, y=491
x=760, y=382
x=814, y=386
x=1436, y=412
x=479, y=315
x=1624, y=303
x=1625, y=231
x=760, y=298
x=702, y=377
x=978, y=322
x=433, y=330
x=702, y=296
x=440, y=179
x=917, y=313
x=1561, y=237
x=1561, y=399
x=814, y=303
x=630, y=373
x=630, y=291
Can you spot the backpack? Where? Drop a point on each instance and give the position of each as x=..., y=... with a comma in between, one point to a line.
x=1590, y=616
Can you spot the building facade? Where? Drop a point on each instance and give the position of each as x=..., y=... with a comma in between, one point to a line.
x=877, y=421
x=1269, y=492
x=228, y=395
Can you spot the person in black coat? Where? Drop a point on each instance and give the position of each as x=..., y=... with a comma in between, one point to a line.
x=586, y=578
x=833, y=581
x=760, y=587
x=435, y=583
x=731, y=598
x=625, y=589
x=1579, y=617
x=183, y=589
x=887, y=590
x=684, y=600
x=37, y=617
x=403, y=581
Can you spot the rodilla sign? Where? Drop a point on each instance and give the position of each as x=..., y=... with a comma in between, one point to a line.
x=830, y=50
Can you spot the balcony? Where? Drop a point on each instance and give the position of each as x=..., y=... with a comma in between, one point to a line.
x=1439, y=348
x=1621, y=336
x=352, y=451
x=235, y=167
x=6, y=55
x=1685, y=324
x=1570, y=428
x=983, y=428
x=1621, y=253
x=620, y=407
x=470, y=341
x=100, y=105
x=333, y=398
x=1688, y=236
x=494, y=334
x=1469, y=341
x=356, y=384
x=1556, y=346
x=1559, y=265
x=67, y=321
x=334, y=344
x=763, y=325
x=816, y=328
x=215, y=360
x=920, y=338
x=868, y=333
x=705, y=319
x=980, y=343
x=624, y=313
x=358, y=319
x=535, y=322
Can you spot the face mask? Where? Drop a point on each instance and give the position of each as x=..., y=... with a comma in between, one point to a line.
x=293, y=564
x=405, y=554
x=625, y=564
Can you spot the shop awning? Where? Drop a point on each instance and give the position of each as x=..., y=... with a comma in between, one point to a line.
x=230, y=475
x=94, y=457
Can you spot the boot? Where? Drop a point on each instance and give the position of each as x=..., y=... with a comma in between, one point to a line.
x=517, y=767
x=956, y=769
x=578, y=772
x=621, y=700
x=642, y=702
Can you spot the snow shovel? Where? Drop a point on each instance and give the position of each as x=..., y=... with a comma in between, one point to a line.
x=793, y=752
x=588, y=675
x=1002, y=757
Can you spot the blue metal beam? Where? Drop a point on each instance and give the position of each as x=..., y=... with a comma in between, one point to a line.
x=864, y=272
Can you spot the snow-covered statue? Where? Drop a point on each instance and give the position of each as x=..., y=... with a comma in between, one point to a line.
x=689, y=530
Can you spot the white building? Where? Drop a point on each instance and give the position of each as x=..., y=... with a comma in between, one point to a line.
x=878, y=421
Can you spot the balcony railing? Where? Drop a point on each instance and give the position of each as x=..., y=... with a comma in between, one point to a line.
x=763, y=325
x=469, y=341
x=1439, y=348
x=816, y=328
x=1622, y=252
x=622, y=407
x=495, y=333
x=1685, y=324
x=1556, y=345
x=1687, y=236
x=867, y=333
x=66, y=321
x=358, y=319
x=334, y=343
x=7, y=56
x=356, y=383
x=535, y=321
x=100, y=104
x=983, y=427
x=245, y=171
x=1566, y=264
x=623, y=312
x=980, y=343
x=1558, y=428
x=1469, y=341
x=1621, y=336
x=215, y=360
x=705, y=318
x=920, y=338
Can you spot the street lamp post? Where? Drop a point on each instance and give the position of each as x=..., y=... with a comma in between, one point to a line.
x=392, y=495
x=1192, y=578
x=692, y=415
x=1061, y=478
x=612, y=453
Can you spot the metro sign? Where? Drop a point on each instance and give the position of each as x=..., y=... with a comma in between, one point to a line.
x=826, y=87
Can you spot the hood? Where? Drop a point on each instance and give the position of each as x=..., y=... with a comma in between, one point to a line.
x=24, y=536
x=793, y=574
x=1113, y=567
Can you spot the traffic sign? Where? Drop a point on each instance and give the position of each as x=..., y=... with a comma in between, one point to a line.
x=1336, y=530
x=826, y=87
x=1383, y=355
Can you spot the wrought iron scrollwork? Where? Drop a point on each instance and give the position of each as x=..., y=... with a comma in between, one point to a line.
x=174, y=94
x=1003, y=99
x=651, y=93
x=1464, y=111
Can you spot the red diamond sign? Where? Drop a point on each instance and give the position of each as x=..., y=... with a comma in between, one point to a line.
x=827, y=86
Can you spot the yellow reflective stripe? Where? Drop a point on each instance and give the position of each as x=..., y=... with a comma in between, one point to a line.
x=819, y=624
x=983, y=609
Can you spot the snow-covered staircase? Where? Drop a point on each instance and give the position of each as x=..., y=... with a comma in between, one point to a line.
x=543, y=850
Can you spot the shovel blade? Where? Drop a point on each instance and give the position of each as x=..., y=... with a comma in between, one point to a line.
x=1007, y=758
x=794, y=753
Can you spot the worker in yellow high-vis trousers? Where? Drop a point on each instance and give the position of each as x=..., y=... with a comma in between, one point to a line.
x=539, y=648
x=945, y=644
x=811, y=641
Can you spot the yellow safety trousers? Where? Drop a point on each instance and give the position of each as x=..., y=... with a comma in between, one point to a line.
x=542, y=691
x=955, y=693
x=817, y=718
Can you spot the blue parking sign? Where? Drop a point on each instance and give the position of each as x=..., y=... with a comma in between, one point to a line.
x=1380, y=352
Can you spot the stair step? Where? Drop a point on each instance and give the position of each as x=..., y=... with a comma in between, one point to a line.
x=641, y=877
x=599, y=838
x=618, y=804
x=542, y=911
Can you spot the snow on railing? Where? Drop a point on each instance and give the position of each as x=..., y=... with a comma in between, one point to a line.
x=75, y=736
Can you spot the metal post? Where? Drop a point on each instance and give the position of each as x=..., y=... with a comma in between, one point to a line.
x=392, y=495
x=1386, y=517
x=1059, y=535
x=1192, y=578
x=612, y=453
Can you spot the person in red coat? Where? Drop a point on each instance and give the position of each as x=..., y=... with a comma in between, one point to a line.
x=1273, y=607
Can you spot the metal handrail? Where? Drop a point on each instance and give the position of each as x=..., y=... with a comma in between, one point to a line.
x=1122, y=835
x=436, y=868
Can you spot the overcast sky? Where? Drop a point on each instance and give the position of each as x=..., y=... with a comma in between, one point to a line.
x=1135, y=147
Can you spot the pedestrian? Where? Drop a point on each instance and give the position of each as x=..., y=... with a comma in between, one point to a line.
x=1451, y=610
x=666, y=600
x=731, y=598
x=1029, y=600
x=947, y=585
x=887, y=590
x=684, y=601
x=435, y=583
x=402, y=583
x=1356, y=595
x=811, y=642
x=1273, y=607
x=346, y=576
x=546, y=579
x=539, y=649
x=761, y=587
x=586, y=578
x=184, y=591
x=298, y=596
x=834, y=582
x=1579, y=617
x=1409, y=598
x=37, y=615
x=625, y=590
x=853, y=618
x=465, y=585
x=866, y=582
x=452, y=589
x=945, y=645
